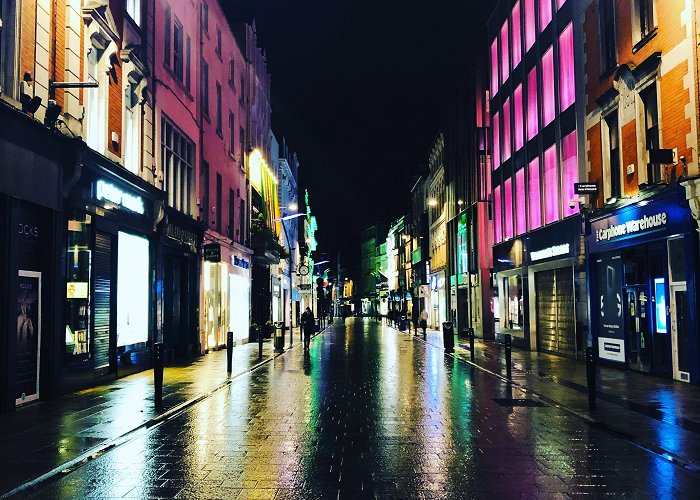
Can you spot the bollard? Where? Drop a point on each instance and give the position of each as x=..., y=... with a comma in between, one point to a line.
x=507, y=342
x=590, y=378
x=260, y=342
x=229, y=352
x=158, y=374
x=471, y=344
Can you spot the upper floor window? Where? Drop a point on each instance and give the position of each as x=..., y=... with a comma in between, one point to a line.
x=545, y=13
x=611, y=153
x=494, y=66
x=548, y=110
x=133, y=8
x=177, y=156
x=505, y=65
x=205, y=17
x=608, y=47
x=516, y=40
x=218, y=108
x=567, y=84
x=188, y=62
x=231, y=72
x=530, y=26
x=178, y=50
x=205, y=88
x=651, y=128
x=9, y=68
x=231, y=133
x=218, y=42
x=645, y=17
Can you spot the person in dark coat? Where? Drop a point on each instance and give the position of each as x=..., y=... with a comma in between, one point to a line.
x=308, y=322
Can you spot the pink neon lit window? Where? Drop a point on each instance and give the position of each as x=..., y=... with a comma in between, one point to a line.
x=533, y=194
x=494, y=66
x=530, y=28
x=532, y=118
x=567, y=86
x=548, y=87
x=508, y=208
x=498, y=235
x=505, y=66
x=516, y=43
x=496, y=147
x=560, y=3
x=545, y=14
x=569, y=172
x=551, y=186
x=506, y=129
x=518, y=134
x=520, y=222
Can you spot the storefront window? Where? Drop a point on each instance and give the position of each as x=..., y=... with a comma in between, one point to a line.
x=551, y=201
x=513, y=293
x=78, y=270
x=132, y=290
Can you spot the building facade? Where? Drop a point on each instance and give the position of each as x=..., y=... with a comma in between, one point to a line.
x=438, y=307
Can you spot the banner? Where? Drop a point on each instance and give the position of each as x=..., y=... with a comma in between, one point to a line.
x=28, y=336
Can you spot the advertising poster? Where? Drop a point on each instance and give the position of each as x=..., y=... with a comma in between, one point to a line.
x=608, y=307
x=28, y=336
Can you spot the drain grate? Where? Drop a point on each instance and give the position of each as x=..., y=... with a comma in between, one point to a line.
x=511, y=403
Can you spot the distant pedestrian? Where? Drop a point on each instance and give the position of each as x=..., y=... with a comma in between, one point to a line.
x=308, y=323
x=424, y=320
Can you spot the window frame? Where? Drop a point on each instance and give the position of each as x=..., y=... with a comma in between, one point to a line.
x=608, y=35
x=179, y=72
x=613, y=185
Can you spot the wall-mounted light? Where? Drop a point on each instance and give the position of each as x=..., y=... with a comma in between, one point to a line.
x=293, y=206
x=432, y=202
x=460, y=202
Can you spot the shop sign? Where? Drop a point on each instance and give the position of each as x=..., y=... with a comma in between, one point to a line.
x=212, y=252
x=181, y=235
x=548, y=253
x=630, y=228
x=304, y=287
x=105, y=191
x=238, y=262
x=586, y=188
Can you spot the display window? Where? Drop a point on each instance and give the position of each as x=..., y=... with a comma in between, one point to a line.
x=78, y=288
x=513, y=294
x=132, y=289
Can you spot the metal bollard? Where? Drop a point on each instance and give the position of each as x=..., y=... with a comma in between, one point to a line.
x=471, y=344
x=260, y=342
x=507, y=342
x=158, y=374
x=229, y=352
x=590, y=378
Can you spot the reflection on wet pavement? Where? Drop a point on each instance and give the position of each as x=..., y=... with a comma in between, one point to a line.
x=370, y=413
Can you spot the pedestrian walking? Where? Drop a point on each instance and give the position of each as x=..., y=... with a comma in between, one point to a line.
x=308, y=323
x=424, y=320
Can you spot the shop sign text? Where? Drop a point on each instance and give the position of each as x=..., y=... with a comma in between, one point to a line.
x=238, y=262
x=630, y=228
x=109, y=192
x=547, y=253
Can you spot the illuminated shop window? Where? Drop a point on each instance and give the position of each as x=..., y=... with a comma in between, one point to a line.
x=530, y=29
x=567, y=86
x=506, y=129
x=551, y=201
x=545, y=13
x=520, y=222
x=515, y=35
x=532, y=118
x=494, y=66
x=505, y=66
x=533, y=188
x=569, y=172
x=132, y=290
x=518, y=134
x=497, y=215
x=508, y=208
x=548, y=87
x=496, y=141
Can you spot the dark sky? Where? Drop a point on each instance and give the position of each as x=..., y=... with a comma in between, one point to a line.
x=359, y=89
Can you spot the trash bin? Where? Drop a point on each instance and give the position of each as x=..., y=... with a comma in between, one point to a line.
x=448, y=336
x=403, y=324
x=279, y=336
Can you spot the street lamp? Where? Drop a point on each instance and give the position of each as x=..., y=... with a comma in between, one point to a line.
x=292, y=206
x=432, y=202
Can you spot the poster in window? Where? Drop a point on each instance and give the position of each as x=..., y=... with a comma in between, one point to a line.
x=28, y=336
x=610, y=322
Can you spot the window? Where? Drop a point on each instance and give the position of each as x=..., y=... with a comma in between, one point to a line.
x=567, y=84
x=167, y=59
x=204, y=191
x=551, y=188
x=133, y=8
x=497, y=215
x=241, y=140
x=178, y=52
x=518, y=133
x=205, y=17
x=520, y=202
x=132, y=130
x=177, y=155
x=548, y=87
x=232, y=133
x=608, y=47
x=516, y=41
x=496, y=141
x=545, y=13
x=9, y=68
x=188, y=78
x=506, y=129
x=651, y=128
x=508, y=208
x=505, y=65
x=218, y=43
x=231, y=214
x=534, y=198
x=205, y=88
x=218, y=108
x=79, y=255
x=569, y=173
x=241, y=221
x=494, y=66
x=613, y=153
x=532, y=110
x=513, y=294
x=219, y=194
x=530, y=27
x=645, y=15
x=231, y=73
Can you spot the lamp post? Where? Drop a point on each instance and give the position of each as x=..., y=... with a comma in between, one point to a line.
x=292, y=206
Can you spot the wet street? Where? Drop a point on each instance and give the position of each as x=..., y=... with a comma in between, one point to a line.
x=371, y=412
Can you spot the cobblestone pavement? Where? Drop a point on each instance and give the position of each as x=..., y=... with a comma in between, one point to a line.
x=372, y=413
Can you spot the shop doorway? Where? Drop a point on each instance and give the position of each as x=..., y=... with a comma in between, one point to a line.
x=554, y=292
x=680, y=332
x=635, y=312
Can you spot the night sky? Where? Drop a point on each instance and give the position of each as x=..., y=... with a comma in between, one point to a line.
x=359, y=89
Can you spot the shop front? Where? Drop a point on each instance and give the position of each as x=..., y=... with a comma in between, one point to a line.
x=643, y=271
x=109, y=258
x=437, y=312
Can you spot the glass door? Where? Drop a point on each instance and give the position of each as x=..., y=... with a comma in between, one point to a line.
x=636, y=316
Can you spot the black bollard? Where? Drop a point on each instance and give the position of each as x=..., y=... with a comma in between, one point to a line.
x=590, y=378
x=258, y=331
x=229, y=352
x=471, y=344
x=158, y=374
x=507, y=343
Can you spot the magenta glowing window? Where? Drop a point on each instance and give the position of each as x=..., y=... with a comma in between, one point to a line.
x=560, y=3
x=569, y=172
x=551, y=186
x=567, y=86
x=497, y=214
x=505, y=66
x=494, y=66
x=496, y=142
x=530, y=28
x=548, y=87
x=532, y=119
x=533, y=191
x=516, y=43
x=545, y=13
x=520, y=222
x=506, y=130
x=508, y=208
x=518, y=134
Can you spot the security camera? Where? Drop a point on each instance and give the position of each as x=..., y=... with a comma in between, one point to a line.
x=573, y=202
